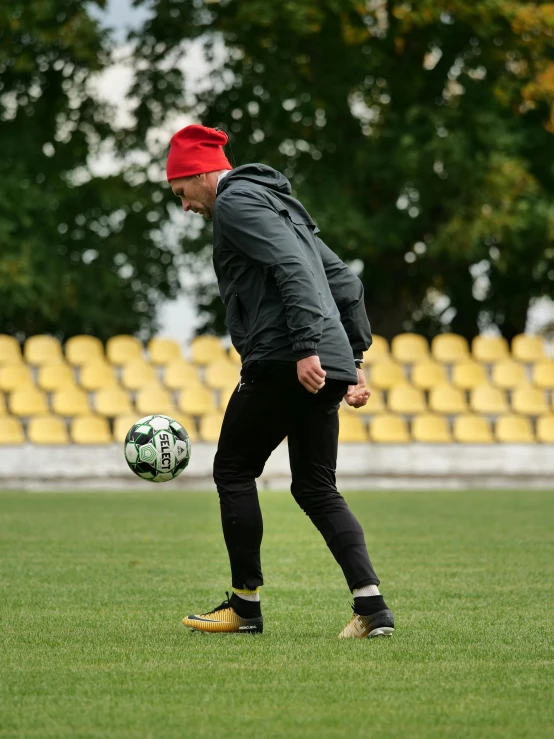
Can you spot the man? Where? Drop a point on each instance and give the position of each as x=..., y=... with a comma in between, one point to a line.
x=296, y=316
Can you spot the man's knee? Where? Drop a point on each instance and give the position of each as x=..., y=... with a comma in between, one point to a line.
x=231, y=473
x=317, y=501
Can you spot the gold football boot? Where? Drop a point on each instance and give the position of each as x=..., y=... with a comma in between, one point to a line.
x=360, y=627
x=224, y=619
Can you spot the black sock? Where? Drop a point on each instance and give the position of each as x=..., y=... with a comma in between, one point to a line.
x=245, y=608
x=369, y=605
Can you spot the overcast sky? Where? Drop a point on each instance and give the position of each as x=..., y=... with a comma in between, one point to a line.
x=120, y=16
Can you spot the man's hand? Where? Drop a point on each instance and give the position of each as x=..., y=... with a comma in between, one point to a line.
x=358, y=395
x=311, y=374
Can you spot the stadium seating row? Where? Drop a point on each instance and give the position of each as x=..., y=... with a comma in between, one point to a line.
x=223, y=374
x=466, y=374
x=110, y=402
x=136, y=375
x=435, y=429
x=405, y=348
x=386, y=428
x=120, y=350
x=197, y=400
x=86, y=429
x=447, y=399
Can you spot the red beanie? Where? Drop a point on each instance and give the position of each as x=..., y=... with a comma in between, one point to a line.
x=195, y=150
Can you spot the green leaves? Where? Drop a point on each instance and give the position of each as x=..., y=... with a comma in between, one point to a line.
x=419, y=136
x=78, y=252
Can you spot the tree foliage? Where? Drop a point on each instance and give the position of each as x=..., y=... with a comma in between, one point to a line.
x=78, y=252
x=418, y=134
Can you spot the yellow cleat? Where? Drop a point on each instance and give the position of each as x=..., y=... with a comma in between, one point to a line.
x=360, y=627
x=224, y=619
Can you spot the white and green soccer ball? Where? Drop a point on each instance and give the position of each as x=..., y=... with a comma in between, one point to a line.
x=157, y=448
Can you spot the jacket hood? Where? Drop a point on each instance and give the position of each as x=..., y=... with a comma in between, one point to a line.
x=257, y=174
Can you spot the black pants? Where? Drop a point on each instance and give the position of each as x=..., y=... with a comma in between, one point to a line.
x=268, y=405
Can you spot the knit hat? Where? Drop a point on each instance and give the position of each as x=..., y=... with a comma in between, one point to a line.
x=195, y=150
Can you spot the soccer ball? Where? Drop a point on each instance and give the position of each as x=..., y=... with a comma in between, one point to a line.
x=157, y=448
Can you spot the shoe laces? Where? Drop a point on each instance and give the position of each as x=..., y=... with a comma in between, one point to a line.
x=222, y=607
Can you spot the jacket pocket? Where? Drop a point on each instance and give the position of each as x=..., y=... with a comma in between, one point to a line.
x=297, y=217
x=235, y=323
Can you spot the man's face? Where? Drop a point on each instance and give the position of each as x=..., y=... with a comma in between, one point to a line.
x=196, y=193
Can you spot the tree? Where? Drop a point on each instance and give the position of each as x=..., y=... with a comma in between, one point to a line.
x=419, y=135
x=79, y=252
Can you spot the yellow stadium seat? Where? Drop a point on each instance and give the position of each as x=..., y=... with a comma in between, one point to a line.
x=97, y=375
x=469, y=429
x=488, y=399
x=197, y=401
x=512, y=429
x=123, y=349
x=15, y=376
x=122, y=424
x=10, y=351
x=43, y=349
x=180, y=374
x=508, y=374
x=378, y=351
x=352, y=429
x=449, y=348
x=55, y=377
x=447, y=399
x=489, y=349
x=386, y=374
x=409, y=348
x=430, y=429
x=234, y=356
x=28, y=401
x=3, y=409
x=138, y=374
x=375, y=404
x=71, y=402
x=47, y=430
x=543, y=375
x=528, y=349
x=113, y=401
x=545, y=429
x=90, y=430
x=388, y=429
x=467, y=375
x=206, y=349
x=81, y=350
x=163, y=351
x=11, y=431
x=529, y=401
x=406, y=399
x=155, y=401
x=210, y=427
x=222, y=374
x=426, y=375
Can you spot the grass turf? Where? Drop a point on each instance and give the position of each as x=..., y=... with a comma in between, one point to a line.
x=93, y=588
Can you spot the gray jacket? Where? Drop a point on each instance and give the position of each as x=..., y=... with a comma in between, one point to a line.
x=287, y=295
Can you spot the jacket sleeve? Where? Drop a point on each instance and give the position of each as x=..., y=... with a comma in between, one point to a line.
x=254, y=229
x=348, y=292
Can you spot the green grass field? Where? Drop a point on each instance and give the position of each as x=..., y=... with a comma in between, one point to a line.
x=93, y=588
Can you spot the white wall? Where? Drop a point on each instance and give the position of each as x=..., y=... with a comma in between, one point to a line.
x=360, y=466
